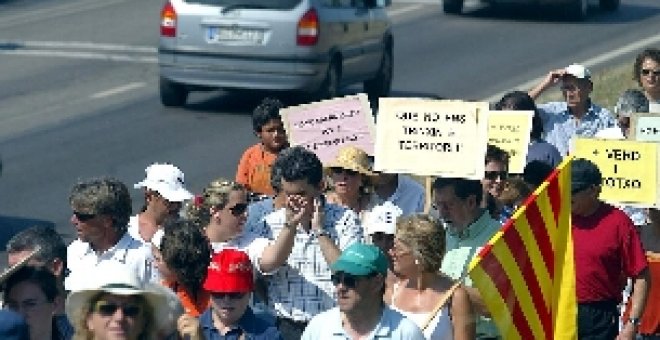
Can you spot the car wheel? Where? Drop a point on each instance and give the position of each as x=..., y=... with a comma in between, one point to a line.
x=452, y=6
x=172, y=94
x=577, y=10
x=609, y=5
x=380, y=85
x=330, y=87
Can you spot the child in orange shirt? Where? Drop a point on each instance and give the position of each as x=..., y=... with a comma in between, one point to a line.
x=254, y=166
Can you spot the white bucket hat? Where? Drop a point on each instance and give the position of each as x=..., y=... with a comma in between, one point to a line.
x=578, y=71
x=167, y=180
x=119, y=279
x=382, y=219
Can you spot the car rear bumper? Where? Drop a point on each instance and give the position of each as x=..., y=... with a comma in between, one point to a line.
x=283, y=74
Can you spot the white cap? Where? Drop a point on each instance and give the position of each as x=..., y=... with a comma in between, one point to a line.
x=610, y=133
x=167, y=180
x=578, y=71
x=382, y=219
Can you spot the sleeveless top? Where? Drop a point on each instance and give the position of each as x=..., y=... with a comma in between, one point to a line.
x=440, y=327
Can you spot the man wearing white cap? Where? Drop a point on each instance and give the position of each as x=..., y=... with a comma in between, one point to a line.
x=164, y=192
x=576, y=115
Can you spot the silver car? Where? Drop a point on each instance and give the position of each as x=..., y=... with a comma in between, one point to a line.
x=311, y=46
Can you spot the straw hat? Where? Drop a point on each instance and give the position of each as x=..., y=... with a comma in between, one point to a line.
x=352, y=158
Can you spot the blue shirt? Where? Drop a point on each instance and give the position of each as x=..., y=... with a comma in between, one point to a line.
x=560, y=125
x=392, y=325
x=255, y=328
x=540, y=150
x=256, y=213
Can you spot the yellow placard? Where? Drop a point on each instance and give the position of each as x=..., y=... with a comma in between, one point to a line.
x=431, y=137
x=510, y=130
x=629, y=168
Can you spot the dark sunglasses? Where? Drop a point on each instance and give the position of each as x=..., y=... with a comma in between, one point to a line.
x=494, y=175
x=348, y=280
x=231, y=296
x=339, y=171
x=83, y=217
x=239, y=209
x=646, y=72
x=109, y=309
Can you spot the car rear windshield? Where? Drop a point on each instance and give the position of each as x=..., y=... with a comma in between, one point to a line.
x=249, y=4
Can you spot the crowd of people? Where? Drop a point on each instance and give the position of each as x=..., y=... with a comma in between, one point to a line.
x=296, y=249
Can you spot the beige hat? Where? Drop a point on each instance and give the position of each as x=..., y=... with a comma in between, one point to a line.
x=352, y=158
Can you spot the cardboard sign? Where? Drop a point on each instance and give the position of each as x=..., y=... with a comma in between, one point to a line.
x=325, y=127
x=629, y=169
x=510, y=130
x=645, y=127
x=430, y=137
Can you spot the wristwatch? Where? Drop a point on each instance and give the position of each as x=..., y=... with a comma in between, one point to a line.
x=634, y=322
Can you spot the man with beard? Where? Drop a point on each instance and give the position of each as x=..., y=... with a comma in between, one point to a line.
x=359, y=278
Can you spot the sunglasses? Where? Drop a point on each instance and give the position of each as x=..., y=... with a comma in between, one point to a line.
x=646, y=72
x=494, y=175
x=238, y=209
x=83, y=217
x=108, y=309
x=348, y=280
x=231, y=296
x=340, y=171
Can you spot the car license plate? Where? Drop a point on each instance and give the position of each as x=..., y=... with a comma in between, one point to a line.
x=235, y=34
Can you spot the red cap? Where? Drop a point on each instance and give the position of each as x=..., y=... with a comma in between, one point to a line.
x=230, y=271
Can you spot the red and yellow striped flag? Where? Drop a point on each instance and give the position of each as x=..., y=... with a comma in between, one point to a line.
x=526, y=272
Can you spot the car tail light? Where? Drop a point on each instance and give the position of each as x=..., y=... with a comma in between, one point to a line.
x=308, y=29
x=168, y=21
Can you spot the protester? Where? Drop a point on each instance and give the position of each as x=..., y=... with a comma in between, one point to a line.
x=458, y=202
x=254, y=167
x=607, y=250
x=350, y=174
x=308, y=235
x=116, y=304
x=13, y=326
x=631, y=101
x=101, y=209
x=647, y=73
x=33, y=293
x=182, y=258
x=258, y=210
x=417, y=254
x=535, y=172
x=577, y=115
x=649, y=323
x=495, y=175
x=359, y=277
x=230, y=283
x=380, y=226
x=538, y=148
x=401, y=190
x=164, y=192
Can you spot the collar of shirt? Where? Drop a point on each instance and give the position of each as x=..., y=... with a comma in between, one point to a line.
x=474, y=229
x=246, y=323
x=383, y=327
x=118, y=251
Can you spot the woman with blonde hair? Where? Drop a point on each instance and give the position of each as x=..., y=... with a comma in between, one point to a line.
x=349, y=175
x=432, y=300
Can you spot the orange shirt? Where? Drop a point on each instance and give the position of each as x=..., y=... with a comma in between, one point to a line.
x=650, y=320
x=254, y=169
x=190, y=306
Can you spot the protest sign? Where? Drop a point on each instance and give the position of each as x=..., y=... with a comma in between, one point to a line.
x=645, y=127
x=629, y=169
x=325, y=127
x=510, y=130
x=430, y=137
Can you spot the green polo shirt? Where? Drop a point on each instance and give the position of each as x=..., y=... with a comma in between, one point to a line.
x=461, y=248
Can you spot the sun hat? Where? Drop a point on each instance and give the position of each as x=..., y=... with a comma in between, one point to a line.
x=584, y=173
x=361, y=259
x=230, y=271
x=167, y=180
x=117, y=278
x=18, y=265
x=13, y=326
x=578, y=71
x=382, y=219
x=352, y=158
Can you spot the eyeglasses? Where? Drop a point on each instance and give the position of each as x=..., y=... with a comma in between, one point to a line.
x=238, y=209
x=231, y=296
x=348, y=280
x=340, y=171
x=568, y=87
x=646, y=72
x=108, y=309
x=82, y=217
x=494, y=175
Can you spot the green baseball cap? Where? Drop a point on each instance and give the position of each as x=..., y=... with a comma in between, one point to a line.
x=361, y=259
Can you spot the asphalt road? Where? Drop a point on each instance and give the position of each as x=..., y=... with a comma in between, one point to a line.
x=78, y=87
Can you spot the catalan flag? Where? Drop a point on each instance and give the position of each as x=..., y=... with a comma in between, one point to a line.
x=526, y=272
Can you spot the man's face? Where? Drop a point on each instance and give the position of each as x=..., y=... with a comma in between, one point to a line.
x=90, y=228
x=229, y=307
x=575, y=91
x=161, y=206
x=353, y=291
x=300, y=194
x=495, y=175
x=452, y=208
x=273, y=135
x=583, y=201
x=384, y=242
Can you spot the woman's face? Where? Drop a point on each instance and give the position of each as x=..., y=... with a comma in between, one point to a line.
x=29, y=300
x=115, y=317
x=346, y=181
x=162, y=267
x=231, y=218
x=650, y=76
x=494, y=178
x=403, y=260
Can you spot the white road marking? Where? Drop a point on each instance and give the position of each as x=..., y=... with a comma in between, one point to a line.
x=117, y=90
x=592, y=62
x=78, y=45
x=83, y=55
